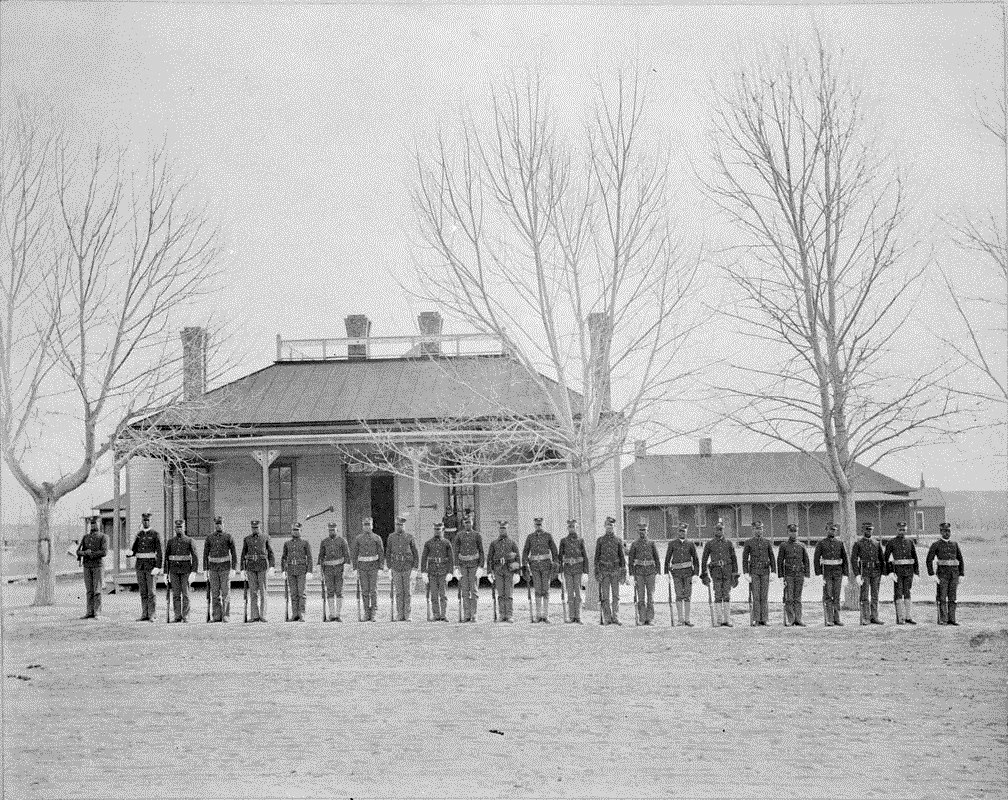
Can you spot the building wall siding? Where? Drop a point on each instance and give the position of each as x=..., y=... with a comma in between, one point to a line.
x=146, y=487
x=237, y=493
x=431, y=507
x=498, y=502
x=318, y=484
x=541, y=495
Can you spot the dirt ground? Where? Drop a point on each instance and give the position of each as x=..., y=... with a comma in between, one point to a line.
x=116, y=708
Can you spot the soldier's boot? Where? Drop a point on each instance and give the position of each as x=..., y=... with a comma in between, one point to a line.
x=678, y=611
x=686, y=610
x=339, y=608
x=908, y=612
x=827, y=613
x=472, y=613
x=864, y=612
x=898, y=602
x=951, y=613
x=836, y=614
x=726, y=610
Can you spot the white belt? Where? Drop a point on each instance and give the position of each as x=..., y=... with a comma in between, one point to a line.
x=832, y=562
x=225, y=560
x=179, y=558
x=904, y=562
x=682, y=565
x=154, y=555
x=469, y=558
x=332, y=563
x=546, y=557
x=367, y=558
x=946, y=563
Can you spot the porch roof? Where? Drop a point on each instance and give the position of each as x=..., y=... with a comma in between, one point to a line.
x=340, y=394
x=754, y=499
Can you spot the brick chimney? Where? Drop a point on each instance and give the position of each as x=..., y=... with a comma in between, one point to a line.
x=194, y=362
x=358, y=326
x=706, y=447
x=431, y=325
x=639, y=448
x=599, y=333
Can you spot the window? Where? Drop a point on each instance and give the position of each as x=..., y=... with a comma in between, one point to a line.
x=792, y=514
x=461, y=494
x=282, y=508
x=701, y=516
x=672, y=515
x=747, y=515
x=197, y=500
x=919, y=520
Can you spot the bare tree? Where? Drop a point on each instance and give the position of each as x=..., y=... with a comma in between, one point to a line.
x=564, y=251
x=826, y=282
x=98, y=263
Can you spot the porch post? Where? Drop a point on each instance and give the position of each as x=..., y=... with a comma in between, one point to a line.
x=414, y=454
x=265, y=458
x=116, y=527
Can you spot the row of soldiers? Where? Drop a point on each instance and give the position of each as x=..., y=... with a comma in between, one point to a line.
x=541, y=561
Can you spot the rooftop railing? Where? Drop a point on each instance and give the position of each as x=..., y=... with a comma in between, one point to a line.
x=379, y=347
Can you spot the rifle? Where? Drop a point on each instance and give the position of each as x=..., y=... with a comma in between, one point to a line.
x=601, y=618
x=360, y=611
x=710, y=604
x=286, y=597
x=208, y=596
x=636, y=610
x=563, y=596
x=671, y=619
x=325, y=608
x=391, y=597
x=786, y=601
x=751, y=620
x=459, y=582
x=493, y=595
x=528, y=591
x=245, y=594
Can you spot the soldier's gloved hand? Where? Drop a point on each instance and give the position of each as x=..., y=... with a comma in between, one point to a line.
x=584, y=582
x=490, y=577
x=515, y=579
x=155, y=571
x=426, y=578
x=271, y=570
x=894, y=577
x=705, y=580
x=457, y=572
x=189, y=578
x=308, y=576
x=479, y=572
x=734, y=582
x=936, y=579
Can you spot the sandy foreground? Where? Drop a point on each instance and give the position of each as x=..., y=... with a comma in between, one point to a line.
x=117, y=708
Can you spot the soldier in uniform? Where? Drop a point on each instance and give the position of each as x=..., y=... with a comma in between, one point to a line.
x=539, y=557
x=219, y=556
x=868, y=564
x=951, y=567
x=257, y=561
x=681, y=564
x=793, y=567
x=901, y=561
x=573, y=560
x=333, y=555
x=610, y=571
x=367, y=553
x=296, y=563
x=182, y=561
x=502, y=565
x=758, y=564
x=470, y=555
x=435, y=564
x=149, y=558
x=644, y=563
x=402, y=558
x=91, y=554
x=720, y=567
x=830, y=561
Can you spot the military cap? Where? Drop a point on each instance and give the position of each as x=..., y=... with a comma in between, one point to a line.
x=683, y=526
x=94, y=524
x=439, y=526
x=254, y=523
x=867, y=527
x=832, y=528
x=146, y=514
x=296, y=526
x=945, y=526
x=611, y=519
x=400, y=518
x=537, y=519
x=758, y=526
x=332, y=526
x=792, y=528
x=642, y=522
x=719, y=523
x=572, y=522
x=179, y=523
x=901, y=525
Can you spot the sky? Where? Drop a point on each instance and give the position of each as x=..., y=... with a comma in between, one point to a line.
x=295, y=125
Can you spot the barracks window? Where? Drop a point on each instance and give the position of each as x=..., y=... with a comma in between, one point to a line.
x=197, y=500
x=282, y=506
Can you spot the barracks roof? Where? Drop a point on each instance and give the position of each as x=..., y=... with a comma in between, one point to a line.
x=929, y=497
x=746, y=478
x=343, y=392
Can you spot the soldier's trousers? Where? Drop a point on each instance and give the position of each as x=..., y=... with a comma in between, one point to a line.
x=296, y=590
x=682, y=580
x=220, y=593
x=333, y=579
x=469, y=585
x=645, y=597
x=759, y=585
x=438, y=595
x=572, y=588
x=945, y=596
x=401, y=592
x=832, y=585
x=793, y=585
x=369, y=591
x=179, y=582
x=504, y=587
x=148, y=605
x=541, y=581
x=721, y=583
x=92, y=589
x=901, y=589
x=869, y=597
x=609, y=590
x=257, y=593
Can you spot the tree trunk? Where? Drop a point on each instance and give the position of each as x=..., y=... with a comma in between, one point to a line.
x=848, y=533
x=45, y=584
x=589, y=531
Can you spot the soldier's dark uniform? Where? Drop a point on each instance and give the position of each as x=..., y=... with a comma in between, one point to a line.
x=181, y=560
x=901, y=561
x=830, y=560
x=296, y=563
x=91, y=553
x=368, y=554
x=257, y=559
x=758, y=564
x=682, y=564
x=644, y=565
x=539, y=557
x=333, y=556
x=793, y=567
x=719, y=566
x=436, y=562
x=573, y=558
x=469, y=555
x=868, y=564
x=148, y=557
x=401, y=557
x=610, y=571
x=502, y=563
x=219, y=557
x=951, y=567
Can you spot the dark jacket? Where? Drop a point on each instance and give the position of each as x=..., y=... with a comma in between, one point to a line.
x=502, y=555
x=901, y=556
x=540, y=551
x=947, y=551
x=147, y=550
x=296, y=557
x=219, y=552
x=367, y=551
x=92, y=549
x=401, y=552
x=469, y=552
x=643, y=558
x=758, y=556
x=830, y=556
x=180, y=555
x=257, y=553
x=680, y=556
x=333, y=553
x=792, y=560
x=438, y=556
x=609, y=555
x=866, y=558
x=572, y=555
x=719, y=559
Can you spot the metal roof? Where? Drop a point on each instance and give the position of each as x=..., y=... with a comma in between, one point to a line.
x=728, y=475
x=339, y=392
x=929, y=497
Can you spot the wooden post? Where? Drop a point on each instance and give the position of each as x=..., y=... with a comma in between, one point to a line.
x=116, y=522
x=265, y=458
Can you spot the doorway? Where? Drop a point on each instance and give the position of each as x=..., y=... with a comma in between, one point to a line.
x=383, y=505
x=370, y=495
